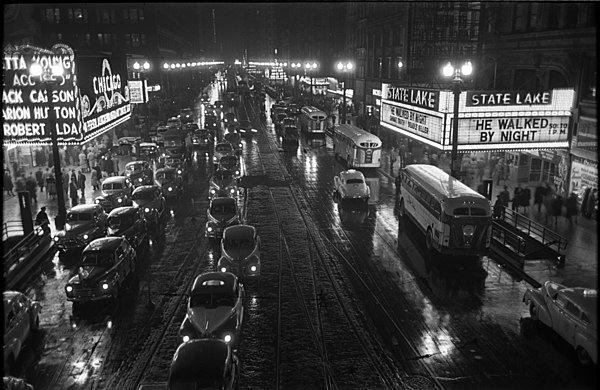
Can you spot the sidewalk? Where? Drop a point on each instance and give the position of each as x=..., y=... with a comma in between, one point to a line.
x=581, y=266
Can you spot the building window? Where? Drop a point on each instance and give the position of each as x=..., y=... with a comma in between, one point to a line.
x=569, y=15
x=135, y=40
x=106, y=16
x=107, y=39
x=77, y=15
x=389, y=68
x=521, y=18
x=379, y=67
x=534, y=16
x=51, y=15
x=133, y=15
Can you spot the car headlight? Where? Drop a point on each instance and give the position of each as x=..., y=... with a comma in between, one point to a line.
x=147, y=210
x=56, y=238
x=97, y=201
x=213, y=191
x=223, y=269
x=227, y=338
x=85, y=236
x=69, y=288
x=105, y=286
x=179, y=171
x=120, y=200
x=210, y=229
x=186, y=338
x=68, y=227
x=253, y=268
x=170, y=189
x=140, y=179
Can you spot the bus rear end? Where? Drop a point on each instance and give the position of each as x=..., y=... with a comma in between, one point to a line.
x=467, y=226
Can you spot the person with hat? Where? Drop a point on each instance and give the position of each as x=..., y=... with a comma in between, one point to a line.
x=41, y=219
x=498, y=207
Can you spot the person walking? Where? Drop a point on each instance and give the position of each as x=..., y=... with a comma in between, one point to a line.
x=41, y=219
x=498, y=207
x=538, y=197
x=91, y=158
x=505, y=196
x=31, y=187
x=94, y=179
x=590, y=206
x=82, y=161
x=39, y=177
x=557, y=204
x=50, y=186
x=8, y=183
x=81, y=183
x=73, y=192
x=517, y=198
x=65, y=182
x=572, y=208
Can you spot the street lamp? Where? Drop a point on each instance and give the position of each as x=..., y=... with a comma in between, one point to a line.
x=50, y=76
x=296, y=65
x=448, y=71
x=308, y=67
x=141, y=68
x=345, y=67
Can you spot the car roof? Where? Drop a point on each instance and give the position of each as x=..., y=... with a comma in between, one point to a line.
x=204, y=358
x=239, y=231
x=123, y=210
x=85, y=208
x=585, y=298
x=229, y=281
x=103, y=244
x=148, y=144
x=166, y=169
x=137, y=162
x=147, y=188
x=115, y=179
x=352, y=173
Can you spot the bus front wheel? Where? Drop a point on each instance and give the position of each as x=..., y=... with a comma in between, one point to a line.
x=429, y=240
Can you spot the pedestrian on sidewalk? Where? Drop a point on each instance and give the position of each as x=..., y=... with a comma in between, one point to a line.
x=65, y=182
x=41, y=219
x=557, y=204
x=39, y=177
x=81, y=183
x=538, y=197
x=505, y=196
x=590, y=205
x=517, y=197
x=31, y=187
x=73, y=192
x=51, y=186
x=498, y=208
x=95, y=182
x=572, y=208
x=8, y=183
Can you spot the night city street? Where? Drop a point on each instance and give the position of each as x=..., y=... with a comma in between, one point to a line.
x=411, y=274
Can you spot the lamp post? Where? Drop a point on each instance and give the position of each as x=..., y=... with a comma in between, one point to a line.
x=296, y=65
x=308, y=67
x=140, y=68
x=345, y=67
x=48, y=77
x=448, y=71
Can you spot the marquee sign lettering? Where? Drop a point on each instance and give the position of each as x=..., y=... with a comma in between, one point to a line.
x=493, y=98
x=412, y=120
x=34, y=104
x=416, y=97
x=513, y=130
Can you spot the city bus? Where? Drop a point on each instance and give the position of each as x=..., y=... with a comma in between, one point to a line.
x=358, y=147
x=455, y=219
x=312, y=120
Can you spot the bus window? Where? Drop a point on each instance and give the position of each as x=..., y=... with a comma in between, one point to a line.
x=461, y=211
x=478, y=211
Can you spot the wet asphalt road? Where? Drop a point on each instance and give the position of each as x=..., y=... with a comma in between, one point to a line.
x=347, y=297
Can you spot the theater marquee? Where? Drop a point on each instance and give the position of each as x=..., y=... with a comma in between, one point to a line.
x=487, y=120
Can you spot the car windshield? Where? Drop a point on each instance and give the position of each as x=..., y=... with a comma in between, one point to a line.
x=223, y=148
x=120, y=221
x=135, y=167
x=355, y=181
x=103, y=259
x=73, y=217
x=143, y=195
x=112, y=186
x=228, y=161
x=222, y=209
x=211, y=300
x=165, y=175
x=239, y=243
x=223, y=175
x=232, y=137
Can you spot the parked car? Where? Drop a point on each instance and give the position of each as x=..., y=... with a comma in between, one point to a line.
x=116, y=192
x=129, y=222
x=84, y=223
x=215, y=309
x=221, y=213
x=235, y=139
x=572, y=312
x=139, y=173
x=240, y=251
x=170, y=181
x=21, y=321
x=105, y=265
x=351, y=184
x=204, y=364
x=186, y=115
x=232, y=164
x=222, y=149
x=222, y=183
x=152, y=203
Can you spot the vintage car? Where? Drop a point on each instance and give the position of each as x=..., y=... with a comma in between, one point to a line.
x=221, y=213
x=215, y=309
x=174, y=123
x=191, y=127
x=572, y=312
x=351, y=184
x=21, y=320
x=246, y=129
x=148, y=151
x=105, y=265
x=211, y=123
x=170, y=181
x=240, y=251
x=129, y=222
x=186, y=115
x=152, y=203
x=222, y=149
x=289, y=121
x=139, y=173
x=84, y=223
x=229, y=117
x=201, y=139
x=116, y=192
x=232, y=164
x=218, y=104
x=290, y=136
x=235, y=139
x=204, y=364
x=222, y=183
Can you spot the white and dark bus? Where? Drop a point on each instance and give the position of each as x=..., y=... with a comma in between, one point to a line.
x=455, y=219
x=358, y=147
x=312, y=120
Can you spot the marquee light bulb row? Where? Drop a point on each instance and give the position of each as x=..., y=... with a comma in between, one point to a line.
x=184, y=65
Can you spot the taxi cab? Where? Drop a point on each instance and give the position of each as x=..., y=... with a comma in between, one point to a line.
x=85, y=223
x=222, y=183
x=351, y=184
x=221, y=149
x=116, y=191
x=572, y=312
x=240, y=251
x=221, y=213
x=139, y=173
x=170, y=181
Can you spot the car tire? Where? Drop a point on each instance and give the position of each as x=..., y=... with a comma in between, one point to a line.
x=583, y=357
x=533, y=312
x=429, y=240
